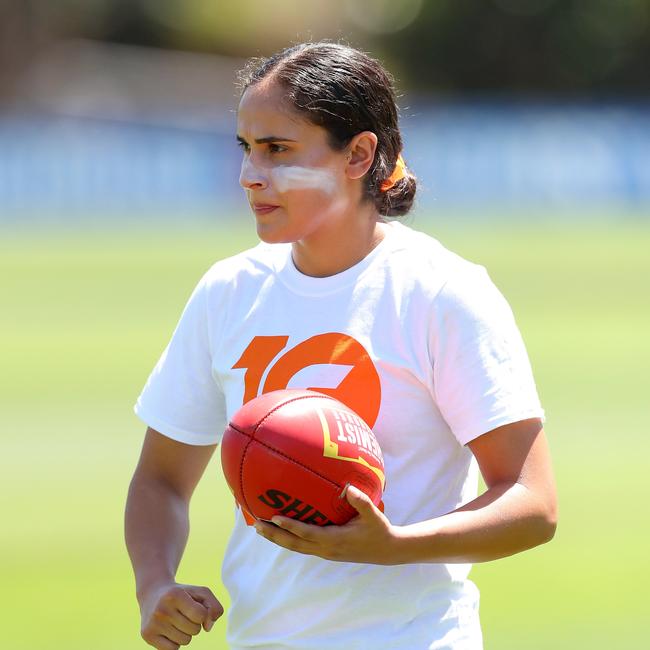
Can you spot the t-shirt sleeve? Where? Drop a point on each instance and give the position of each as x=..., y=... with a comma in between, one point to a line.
x=181, y=398
x=481, y=371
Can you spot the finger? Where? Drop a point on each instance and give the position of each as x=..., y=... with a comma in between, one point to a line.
x=183, y=624
x=176, y=636
x=283, y=537
x=214, y=608
x=165, y=620
x=163, y=643
x=158, y=639
x=192, y=609
x=360, y=501
x=304, y=531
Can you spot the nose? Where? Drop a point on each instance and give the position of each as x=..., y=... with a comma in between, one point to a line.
x=251, y=177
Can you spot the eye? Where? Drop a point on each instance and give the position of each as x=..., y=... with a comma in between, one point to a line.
x=244, y=146
x=276, y=148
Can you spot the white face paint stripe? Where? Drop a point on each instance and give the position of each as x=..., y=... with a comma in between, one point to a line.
x=303, y=178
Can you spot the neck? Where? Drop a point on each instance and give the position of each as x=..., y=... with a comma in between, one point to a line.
x=334, y=251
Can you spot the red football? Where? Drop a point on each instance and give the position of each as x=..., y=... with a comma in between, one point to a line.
x=292, y=453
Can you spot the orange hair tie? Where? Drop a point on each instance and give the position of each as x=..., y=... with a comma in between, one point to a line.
x=398, y=174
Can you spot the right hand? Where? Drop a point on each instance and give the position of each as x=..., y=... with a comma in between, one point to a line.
x=174, y=613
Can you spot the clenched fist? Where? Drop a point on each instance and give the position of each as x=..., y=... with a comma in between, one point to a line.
x=173, y=613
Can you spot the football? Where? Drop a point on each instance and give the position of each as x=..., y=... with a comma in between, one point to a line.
x=293, y=452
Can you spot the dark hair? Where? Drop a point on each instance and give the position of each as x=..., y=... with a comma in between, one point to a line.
x=346, y=92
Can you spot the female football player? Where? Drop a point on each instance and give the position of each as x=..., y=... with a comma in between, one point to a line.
x=415, y=339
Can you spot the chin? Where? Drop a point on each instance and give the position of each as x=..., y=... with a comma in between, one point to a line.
x=273, y=236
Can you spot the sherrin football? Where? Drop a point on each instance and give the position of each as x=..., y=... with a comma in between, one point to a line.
x=292, y=453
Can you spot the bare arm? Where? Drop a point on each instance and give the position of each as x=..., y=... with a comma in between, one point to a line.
x=516, y=512
x=156, y=531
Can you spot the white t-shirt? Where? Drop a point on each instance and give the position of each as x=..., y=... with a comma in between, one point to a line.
x=421, y=344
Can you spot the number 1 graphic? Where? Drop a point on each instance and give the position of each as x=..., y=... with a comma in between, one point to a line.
x=256, y=358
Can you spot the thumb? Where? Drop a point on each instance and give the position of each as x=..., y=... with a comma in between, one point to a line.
x=360, y=501
x=214, y=608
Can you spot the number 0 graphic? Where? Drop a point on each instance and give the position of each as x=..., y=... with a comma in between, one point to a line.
x=360, y=389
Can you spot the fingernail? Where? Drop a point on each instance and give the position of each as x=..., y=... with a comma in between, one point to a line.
x=208, y=627
x=277, y=521
x=344, y=491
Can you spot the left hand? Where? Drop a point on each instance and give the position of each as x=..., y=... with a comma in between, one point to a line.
x=369, y=538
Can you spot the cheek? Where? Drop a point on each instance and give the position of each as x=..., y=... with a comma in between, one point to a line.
x=309, y=203
x=308, y=190
x=305, y=180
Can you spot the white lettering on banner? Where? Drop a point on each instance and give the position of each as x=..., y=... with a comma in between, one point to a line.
x=352, y=429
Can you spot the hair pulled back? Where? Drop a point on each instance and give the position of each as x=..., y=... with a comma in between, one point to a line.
x=345, y=92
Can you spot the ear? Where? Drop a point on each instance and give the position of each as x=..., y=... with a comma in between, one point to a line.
x=361, y=154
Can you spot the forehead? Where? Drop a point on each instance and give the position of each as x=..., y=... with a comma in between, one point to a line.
x=264, y=110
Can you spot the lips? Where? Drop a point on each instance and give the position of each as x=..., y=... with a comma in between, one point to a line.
x=263, y=208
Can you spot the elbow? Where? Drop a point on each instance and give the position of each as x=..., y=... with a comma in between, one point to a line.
x=543, y=516
x=552, y=520
x=547, y=524
x=541, y=523
x=549, y=529
x=540, y=529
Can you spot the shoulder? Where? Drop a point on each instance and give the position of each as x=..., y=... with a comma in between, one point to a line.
x=444, y=274
x=252, y=265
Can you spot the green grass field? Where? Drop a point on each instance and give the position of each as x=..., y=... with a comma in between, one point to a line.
x=85, y=314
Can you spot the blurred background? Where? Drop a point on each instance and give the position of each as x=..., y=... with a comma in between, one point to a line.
x=528, y=125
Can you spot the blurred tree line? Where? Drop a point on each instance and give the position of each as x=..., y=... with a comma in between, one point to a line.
x=593, y=48
x=599, y=47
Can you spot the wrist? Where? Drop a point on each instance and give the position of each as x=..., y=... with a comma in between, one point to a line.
x=399, y=545
x=413, y=543
x=151, y=585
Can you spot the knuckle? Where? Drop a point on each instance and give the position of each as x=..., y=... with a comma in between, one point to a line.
x=147, y=636
x=171, y=596
x=159, y=615
x=199, y=609
x=195, y=622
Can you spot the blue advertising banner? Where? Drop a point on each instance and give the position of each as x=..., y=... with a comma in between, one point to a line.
x=486, y=154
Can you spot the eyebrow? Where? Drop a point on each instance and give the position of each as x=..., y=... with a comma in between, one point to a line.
x=268, y=139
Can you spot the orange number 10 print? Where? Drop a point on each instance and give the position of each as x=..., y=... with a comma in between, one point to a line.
x=360, y=388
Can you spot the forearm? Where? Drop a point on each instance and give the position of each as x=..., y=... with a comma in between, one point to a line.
x=506, y=519
x=517, y=512
x=156, y=532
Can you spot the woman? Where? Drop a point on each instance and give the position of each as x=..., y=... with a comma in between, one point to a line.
x=415, y=339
